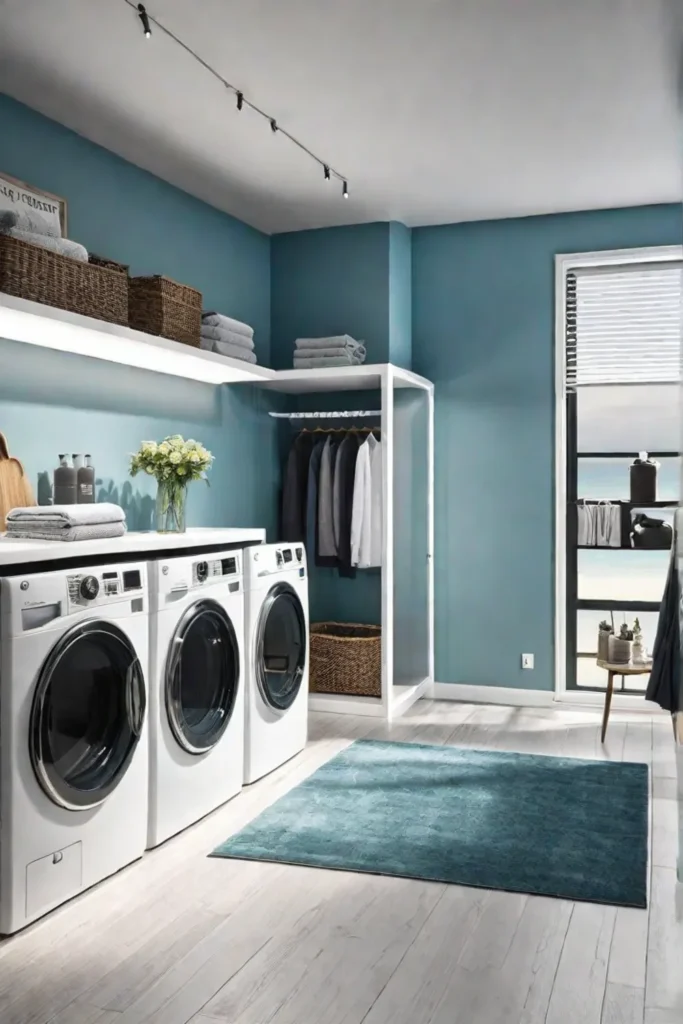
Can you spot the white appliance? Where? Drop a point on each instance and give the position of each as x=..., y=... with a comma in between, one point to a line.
x=196, y=691
x=276, y=630
x=73, y=733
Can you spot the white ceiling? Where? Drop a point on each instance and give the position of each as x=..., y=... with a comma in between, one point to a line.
x=436, y=110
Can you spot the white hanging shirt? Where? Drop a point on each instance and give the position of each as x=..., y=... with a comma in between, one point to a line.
x=366, y=518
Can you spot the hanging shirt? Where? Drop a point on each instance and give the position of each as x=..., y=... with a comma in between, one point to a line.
x=366, y=522
x=326, y=551
x=312, y=498
x=295, y=489
x=344, y=478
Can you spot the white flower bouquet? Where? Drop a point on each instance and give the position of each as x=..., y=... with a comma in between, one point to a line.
x=174, y=463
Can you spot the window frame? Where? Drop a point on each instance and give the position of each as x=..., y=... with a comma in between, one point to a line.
x=564, y=263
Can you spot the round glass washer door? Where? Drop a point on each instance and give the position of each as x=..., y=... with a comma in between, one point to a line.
x=87, y=715
x=281, y=647
x=202, y=676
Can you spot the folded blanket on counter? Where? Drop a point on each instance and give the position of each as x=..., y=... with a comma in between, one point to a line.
x=24, y=530
x=67, y=515
x=312, y=363
x=230, y=337
x=234, y=351
x=213, y=319
x=29, y=220
x=342, y=341
x=64, y=246
x=356, y=355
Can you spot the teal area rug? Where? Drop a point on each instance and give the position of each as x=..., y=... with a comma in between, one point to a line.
x=526, y=823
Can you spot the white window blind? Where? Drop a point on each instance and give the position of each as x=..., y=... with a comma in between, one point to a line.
x=623, y=324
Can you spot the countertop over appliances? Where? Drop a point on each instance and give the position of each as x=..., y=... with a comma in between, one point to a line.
x=38, y=555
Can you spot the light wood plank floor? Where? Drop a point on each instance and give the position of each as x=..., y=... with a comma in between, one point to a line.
x=180, y=938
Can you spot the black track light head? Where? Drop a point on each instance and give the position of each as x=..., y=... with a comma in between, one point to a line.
x=345, y=190
x=326, y=171
x=273, y=125
x=240, y=100
x=142, y=14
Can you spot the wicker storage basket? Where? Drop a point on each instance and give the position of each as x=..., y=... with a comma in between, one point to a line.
x=161, y=306
x=346, y=657
x=31, y=272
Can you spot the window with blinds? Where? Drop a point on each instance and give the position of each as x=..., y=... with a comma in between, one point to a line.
x=623, y=324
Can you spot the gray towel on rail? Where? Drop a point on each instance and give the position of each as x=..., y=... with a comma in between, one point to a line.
x=343, y=341
x=213, y=319
x=60, y=516
x=230, y=337
x=63, y=246
x=91, y=531
x=302, y=363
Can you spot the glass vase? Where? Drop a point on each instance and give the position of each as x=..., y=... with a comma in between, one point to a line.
x=170, y=508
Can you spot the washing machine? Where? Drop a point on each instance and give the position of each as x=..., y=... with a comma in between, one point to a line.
x=276, y=630
x=73, y=734
x=196, y=694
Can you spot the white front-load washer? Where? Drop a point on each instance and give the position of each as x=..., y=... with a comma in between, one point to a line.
x=276, y=630
x=73, y=733
x=196, y=696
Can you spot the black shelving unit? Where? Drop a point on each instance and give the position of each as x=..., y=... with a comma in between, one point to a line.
x=574, y=604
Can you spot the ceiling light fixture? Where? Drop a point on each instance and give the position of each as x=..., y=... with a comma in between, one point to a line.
x=142, y=13
x=147, y=21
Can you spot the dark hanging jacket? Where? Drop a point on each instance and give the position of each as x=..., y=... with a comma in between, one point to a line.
x=664, y=687
x=295, y=488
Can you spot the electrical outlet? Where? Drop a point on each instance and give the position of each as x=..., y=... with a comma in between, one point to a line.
x=527, y=661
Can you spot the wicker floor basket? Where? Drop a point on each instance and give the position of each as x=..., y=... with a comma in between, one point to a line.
x=31, y=272
x=346, y=657
x=158, y=305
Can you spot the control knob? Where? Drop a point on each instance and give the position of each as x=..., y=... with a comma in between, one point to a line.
x=89, y=588
x=202, y=571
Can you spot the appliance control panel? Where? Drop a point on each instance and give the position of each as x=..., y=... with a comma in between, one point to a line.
x=279, y=558
x=100, y=586
x=208, y=570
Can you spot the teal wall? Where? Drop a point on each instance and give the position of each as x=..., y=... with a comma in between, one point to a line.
x=400, y=295
x=51, y=402
x=483, y=331
x=349, y=280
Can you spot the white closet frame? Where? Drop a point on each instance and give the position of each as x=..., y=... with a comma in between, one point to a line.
x=387, y=379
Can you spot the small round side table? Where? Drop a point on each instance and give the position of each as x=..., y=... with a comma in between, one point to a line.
x=613, y=668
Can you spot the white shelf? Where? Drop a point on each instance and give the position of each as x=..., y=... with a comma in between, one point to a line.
x=36, y=324
x=24, y=552
x=368, y=377
x=342, y=704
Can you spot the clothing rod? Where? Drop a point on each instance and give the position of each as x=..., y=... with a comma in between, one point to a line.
x=344, y=415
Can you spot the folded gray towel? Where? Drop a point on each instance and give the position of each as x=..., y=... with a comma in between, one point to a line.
x=30, y=220
x=356, y=354
x=234, y=351
x=60, y=516
x=64, y=246
x=343, y=341
x=303, y=363
x=214, y=319
x=230, y=337
x=90, y=531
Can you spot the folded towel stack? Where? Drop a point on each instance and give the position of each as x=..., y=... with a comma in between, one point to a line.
x=67, y=522
x=317, y=353
x=228, y=337
x=27, y=230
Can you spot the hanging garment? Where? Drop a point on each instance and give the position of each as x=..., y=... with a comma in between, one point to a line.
x=326, y=551
x=607, y=524
x=377, y=506
x=312, y=498
x=664, y=687
x=367, y=509
x=362, y=488
x=295, y=488
x=344, y=479
x=586, y=525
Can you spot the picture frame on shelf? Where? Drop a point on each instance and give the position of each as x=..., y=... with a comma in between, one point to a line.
x=43, y=207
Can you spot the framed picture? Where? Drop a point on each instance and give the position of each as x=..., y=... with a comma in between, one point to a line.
x=40, y=211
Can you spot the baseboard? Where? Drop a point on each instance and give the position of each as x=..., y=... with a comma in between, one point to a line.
x=493, y=695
